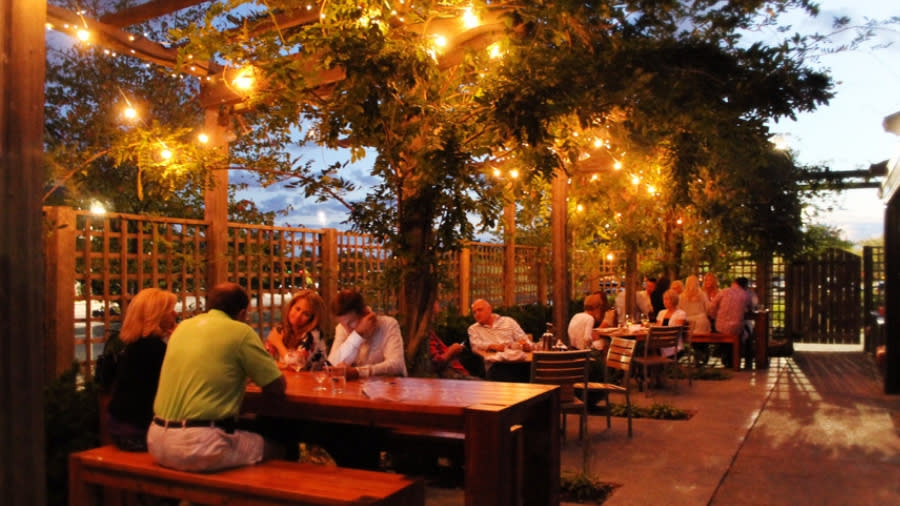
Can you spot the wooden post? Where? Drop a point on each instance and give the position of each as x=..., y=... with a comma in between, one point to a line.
x=465, y=280
x=216, y=205
x=22, y=447
x=892, y=294
x=328, y=281
x=509, y=256
x=59, y=265
x=869, y=322
x=542, y=278
x=761, y=328
x=560, y=246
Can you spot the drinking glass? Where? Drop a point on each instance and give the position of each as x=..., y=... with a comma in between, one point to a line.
x=320, y=375
x=338, y=375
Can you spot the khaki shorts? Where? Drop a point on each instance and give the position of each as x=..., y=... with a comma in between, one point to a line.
x=203, y=448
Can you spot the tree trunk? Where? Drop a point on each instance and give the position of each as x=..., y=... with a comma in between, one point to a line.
x=418, y=260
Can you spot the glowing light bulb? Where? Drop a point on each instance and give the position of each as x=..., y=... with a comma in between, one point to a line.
x=470, y=20
x=497, y=173
x=130, y=113
x=635, y=180
x=610, y=257
x=514, y=174
x=494, y=51
x=579, y=208
x=165, y=154
x=440, y=41
x=97, y=208
x=617, y=165
x=203, y=138
x=651, y=189
x=83, y=35
x=244, y=79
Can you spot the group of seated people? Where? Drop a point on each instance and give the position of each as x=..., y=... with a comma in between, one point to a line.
x=178, y=388
x=702, y=305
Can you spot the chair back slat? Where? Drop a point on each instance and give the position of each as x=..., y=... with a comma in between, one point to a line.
x=620, y=352
x=661, y=337
x=563, y=368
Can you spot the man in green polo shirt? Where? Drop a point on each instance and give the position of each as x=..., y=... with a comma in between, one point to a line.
x=201, y=385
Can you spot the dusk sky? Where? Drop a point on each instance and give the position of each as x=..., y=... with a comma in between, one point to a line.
x=845, y=135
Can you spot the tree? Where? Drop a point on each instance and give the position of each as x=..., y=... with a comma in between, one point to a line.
x=666, y=85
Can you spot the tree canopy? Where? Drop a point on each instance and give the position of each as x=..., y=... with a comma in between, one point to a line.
x=657, y=111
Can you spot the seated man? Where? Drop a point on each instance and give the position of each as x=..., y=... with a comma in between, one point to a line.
x=369, y=344
x=728, y=310
x=595, y=315
x=492, y=332
x=201, y=386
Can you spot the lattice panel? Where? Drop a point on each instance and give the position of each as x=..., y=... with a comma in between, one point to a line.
x=487, y=272
x=117, y=255
x=272, y=263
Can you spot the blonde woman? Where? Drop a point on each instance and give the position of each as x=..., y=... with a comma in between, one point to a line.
x=149, y=320
x=710, y=286
x=301, y=327
x=695, y=304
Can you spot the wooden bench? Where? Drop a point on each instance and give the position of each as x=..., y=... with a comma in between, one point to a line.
x=273, y=482
x=717, y=338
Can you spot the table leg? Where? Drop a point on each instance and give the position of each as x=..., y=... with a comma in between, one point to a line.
x=490, y=475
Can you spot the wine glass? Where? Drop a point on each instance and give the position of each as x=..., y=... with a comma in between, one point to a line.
x=320, y=375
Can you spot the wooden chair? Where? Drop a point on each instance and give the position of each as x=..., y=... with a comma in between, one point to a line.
x=659, y=339
x=618, y=357
x=564, y=368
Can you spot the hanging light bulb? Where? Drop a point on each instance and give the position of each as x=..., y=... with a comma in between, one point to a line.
x=203, y=138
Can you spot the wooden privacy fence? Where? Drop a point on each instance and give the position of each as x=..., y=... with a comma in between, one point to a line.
x=96, y=263
x=824, y=298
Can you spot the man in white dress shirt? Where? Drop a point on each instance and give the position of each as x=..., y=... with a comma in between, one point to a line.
x=492, y=332
x=370, y=345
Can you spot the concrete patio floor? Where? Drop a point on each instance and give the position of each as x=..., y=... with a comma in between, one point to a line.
x=812, y=429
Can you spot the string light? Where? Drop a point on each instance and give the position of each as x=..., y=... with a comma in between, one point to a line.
x=514, y=174
x=244, y=79
x=203, y=138
x=470, y=20
x=97, y=208
x=165, y=154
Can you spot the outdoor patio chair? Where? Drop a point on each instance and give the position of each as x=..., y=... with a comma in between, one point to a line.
x=660, y=340
x=564, y=368
x=618, y=358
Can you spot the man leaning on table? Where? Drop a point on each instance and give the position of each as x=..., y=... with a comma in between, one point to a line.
x=201, y=386
x=369, y=344
x=492, y=332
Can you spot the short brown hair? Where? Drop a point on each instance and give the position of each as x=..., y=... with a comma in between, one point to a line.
x=348, y=301
x=231, y=298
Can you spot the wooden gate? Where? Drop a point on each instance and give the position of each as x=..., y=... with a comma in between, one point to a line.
x=823, y=298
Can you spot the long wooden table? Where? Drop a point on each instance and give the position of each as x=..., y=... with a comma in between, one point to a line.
x=717, y=338
x=511, y=429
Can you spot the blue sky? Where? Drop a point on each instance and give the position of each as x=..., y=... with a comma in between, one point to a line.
x=845, y=135
x=848, y=134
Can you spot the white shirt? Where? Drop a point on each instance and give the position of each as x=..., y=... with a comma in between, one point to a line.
x=504, y=330
x=380, y=355
x=580, y=327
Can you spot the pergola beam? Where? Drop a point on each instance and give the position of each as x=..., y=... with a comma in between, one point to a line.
x=125, y=43
x=146, y=11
